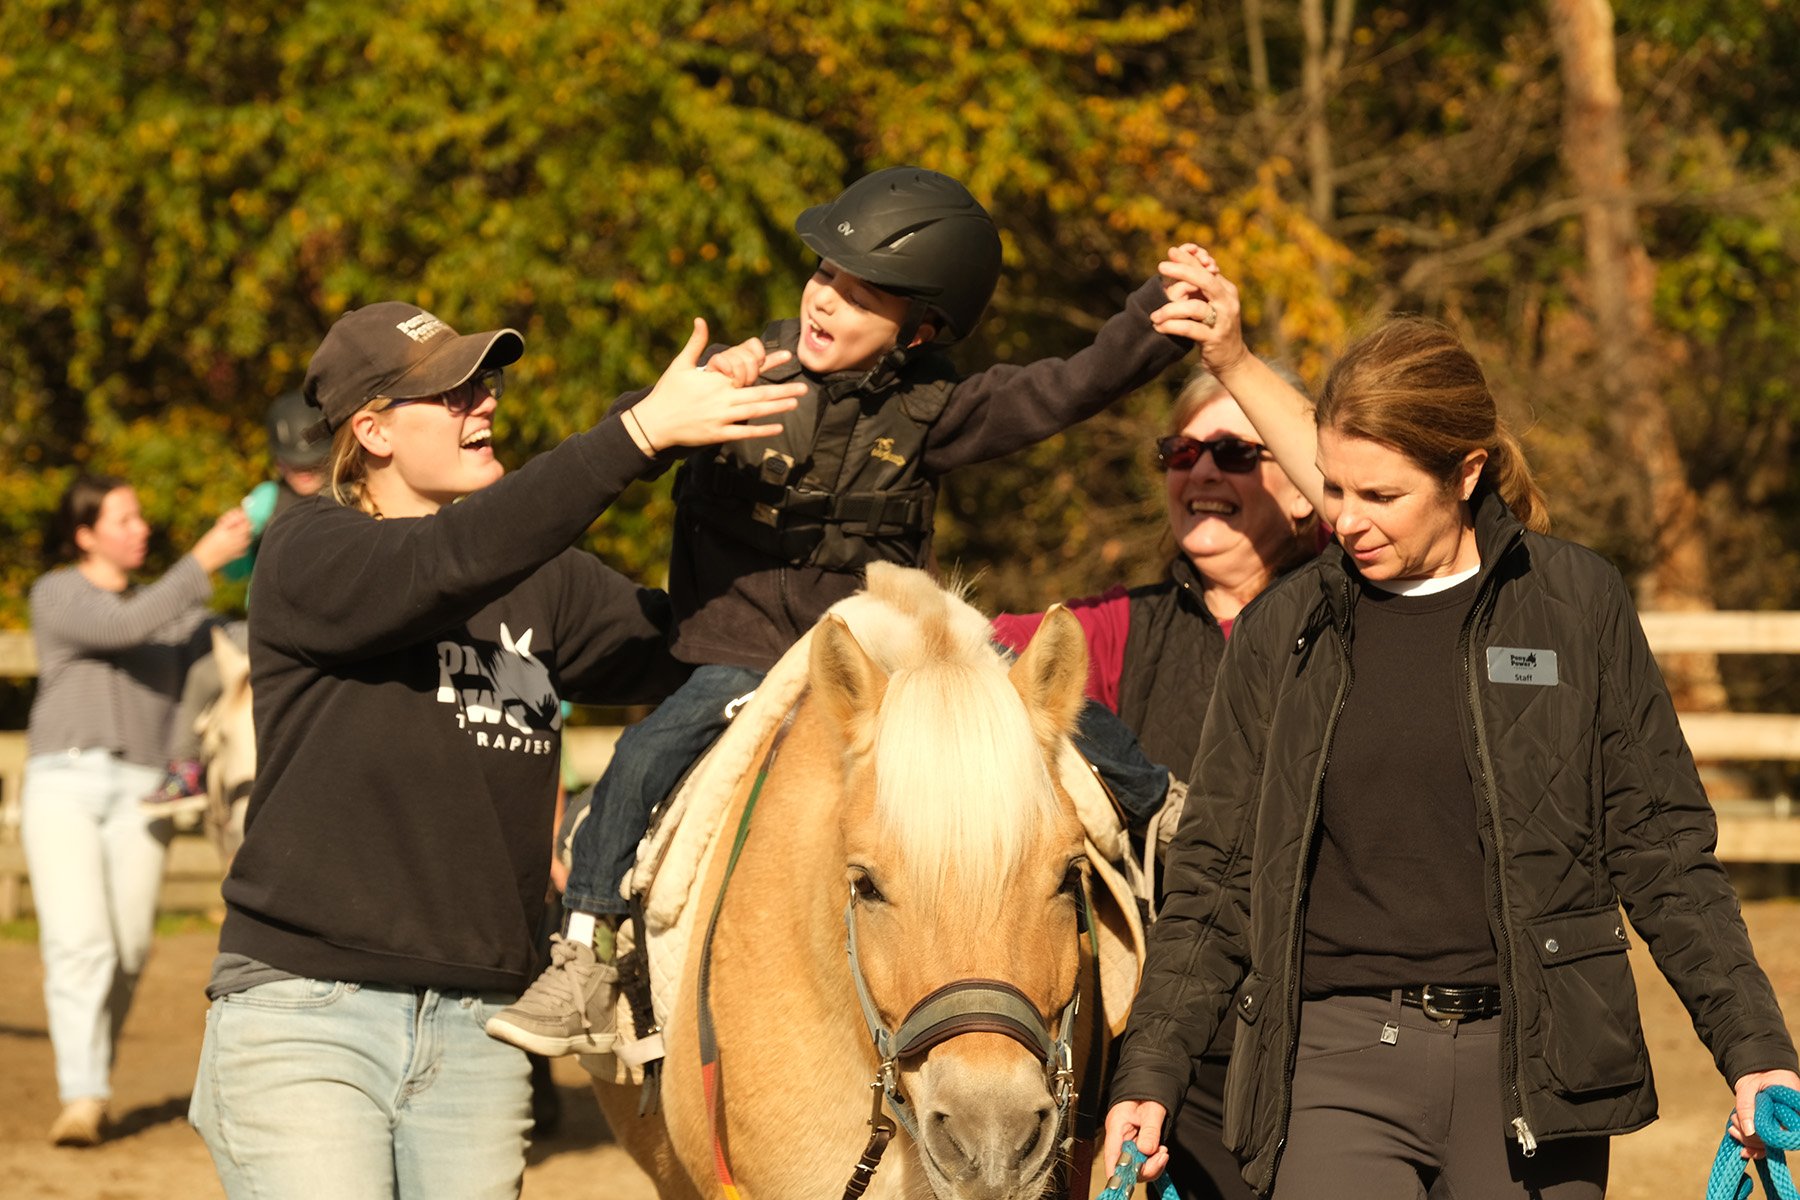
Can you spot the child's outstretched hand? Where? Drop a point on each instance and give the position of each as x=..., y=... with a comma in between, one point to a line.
x=746, y=361
x=1203, y=307
x=690, y=406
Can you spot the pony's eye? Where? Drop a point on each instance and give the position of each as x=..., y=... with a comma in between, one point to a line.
x=863, y=885
x=1071, y=880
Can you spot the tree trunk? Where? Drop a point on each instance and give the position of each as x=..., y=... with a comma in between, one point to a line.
x=1621, y=282
x=1264, y=101
x=1319, y=75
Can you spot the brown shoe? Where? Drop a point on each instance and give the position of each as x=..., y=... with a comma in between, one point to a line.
x=81, y=1123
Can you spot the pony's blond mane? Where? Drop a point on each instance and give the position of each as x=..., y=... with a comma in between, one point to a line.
x=961, y=779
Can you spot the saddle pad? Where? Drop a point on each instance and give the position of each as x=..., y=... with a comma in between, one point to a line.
x=673, y=857
x=672, y=860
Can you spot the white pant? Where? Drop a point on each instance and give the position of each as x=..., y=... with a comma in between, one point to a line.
x=96, y=864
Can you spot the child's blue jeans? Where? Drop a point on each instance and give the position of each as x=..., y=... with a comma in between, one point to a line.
x=1138, y=784
x=646, y=765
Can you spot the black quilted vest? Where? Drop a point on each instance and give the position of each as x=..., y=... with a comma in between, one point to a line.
x=1172, y=651
x=842, y=485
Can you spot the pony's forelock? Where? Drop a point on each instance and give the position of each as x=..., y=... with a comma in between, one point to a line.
x=962, y=786
x=961, y=781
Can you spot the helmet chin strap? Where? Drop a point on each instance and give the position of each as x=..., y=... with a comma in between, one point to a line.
x=893, y=360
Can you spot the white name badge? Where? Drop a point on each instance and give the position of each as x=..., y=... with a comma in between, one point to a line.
x=1516, y=664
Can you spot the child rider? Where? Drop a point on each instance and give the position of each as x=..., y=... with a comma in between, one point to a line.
x=770, y=534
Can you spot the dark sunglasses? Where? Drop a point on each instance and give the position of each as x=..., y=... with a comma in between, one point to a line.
x=462, y=399
x=1231, y=454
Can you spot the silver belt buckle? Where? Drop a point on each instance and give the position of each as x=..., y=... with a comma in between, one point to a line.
x=1431, y=1010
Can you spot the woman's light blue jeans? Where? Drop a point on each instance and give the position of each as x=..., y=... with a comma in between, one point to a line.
x=96, y=864
x=310, y=1088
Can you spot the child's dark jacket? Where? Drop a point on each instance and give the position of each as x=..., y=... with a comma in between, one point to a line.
x=757, y=559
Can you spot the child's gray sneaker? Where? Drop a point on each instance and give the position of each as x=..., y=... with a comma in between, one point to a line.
x=568, y=1010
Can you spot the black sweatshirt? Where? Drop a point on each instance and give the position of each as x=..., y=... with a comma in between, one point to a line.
x=1397, y=895
x=407, y=676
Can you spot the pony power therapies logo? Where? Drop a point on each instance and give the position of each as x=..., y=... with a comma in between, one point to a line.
x=503, y=695
x=1521, y=664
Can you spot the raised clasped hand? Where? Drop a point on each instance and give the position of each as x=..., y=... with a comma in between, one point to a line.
x=693, y=407
x=1203, y=307
x=1139, y=1121
x=745, y=362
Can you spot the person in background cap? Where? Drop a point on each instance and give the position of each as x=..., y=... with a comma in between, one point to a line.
x=299, y=458
x=409, y=656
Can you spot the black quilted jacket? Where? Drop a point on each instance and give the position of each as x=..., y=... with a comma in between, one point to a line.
x=1589, y=798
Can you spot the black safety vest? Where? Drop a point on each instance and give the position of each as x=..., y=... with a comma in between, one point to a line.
x=843, y=484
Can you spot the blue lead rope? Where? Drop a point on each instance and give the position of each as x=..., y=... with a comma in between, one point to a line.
x=1778, y=1125
x=1124, y=1177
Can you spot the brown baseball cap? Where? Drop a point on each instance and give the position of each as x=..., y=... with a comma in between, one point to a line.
x=400, y=351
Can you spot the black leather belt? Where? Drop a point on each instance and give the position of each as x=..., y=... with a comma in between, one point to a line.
x=1444, y=1002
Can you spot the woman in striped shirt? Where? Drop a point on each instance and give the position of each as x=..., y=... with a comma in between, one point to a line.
x=111, y=657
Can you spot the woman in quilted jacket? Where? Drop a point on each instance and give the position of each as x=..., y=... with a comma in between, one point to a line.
x=1438, y=760
x=1237, y=523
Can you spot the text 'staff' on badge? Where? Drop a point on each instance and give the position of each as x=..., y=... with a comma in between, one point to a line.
x=1514, y=664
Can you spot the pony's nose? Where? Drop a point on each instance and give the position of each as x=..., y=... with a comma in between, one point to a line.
x=990, y=1132
x=989, y=1151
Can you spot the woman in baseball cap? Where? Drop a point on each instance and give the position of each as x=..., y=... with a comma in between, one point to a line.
x=409, y=655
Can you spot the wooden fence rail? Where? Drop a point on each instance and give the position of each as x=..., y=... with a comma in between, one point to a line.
x=1756, y=831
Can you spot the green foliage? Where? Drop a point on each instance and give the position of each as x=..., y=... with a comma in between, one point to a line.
x=191, y=192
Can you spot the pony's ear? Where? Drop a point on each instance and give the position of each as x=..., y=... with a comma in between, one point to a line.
x=1051, y=676
x=849, y=683
x=233, y=664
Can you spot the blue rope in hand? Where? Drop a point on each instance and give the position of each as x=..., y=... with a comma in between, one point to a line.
x=1778, y=1125
x=1125, y=1176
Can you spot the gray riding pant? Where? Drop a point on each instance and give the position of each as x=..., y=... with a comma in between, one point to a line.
x=1417, y=1115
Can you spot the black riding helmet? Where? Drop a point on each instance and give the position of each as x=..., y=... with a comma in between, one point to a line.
x=291, y=418
x=915, y=233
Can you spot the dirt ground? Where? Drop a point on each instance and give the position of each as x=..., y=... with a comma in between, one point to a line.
x=155, y=1156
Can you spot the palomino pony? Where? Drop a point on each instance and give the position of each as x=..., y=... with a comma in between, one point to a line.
x=228, y=742
x=911, y=813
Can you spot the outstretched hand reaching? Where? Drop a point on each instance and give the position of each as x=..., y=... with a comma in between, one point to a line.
x=692, y=406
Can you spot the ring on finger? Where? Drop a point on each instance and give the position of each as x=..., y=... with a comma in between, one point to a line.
x=1212, y=315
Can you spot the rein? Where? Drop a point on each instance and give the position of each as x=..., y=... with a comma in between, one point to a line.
x=709, y=1040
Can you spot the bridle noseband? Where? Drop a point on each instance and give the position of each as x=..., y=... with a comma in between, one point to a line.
x=963, y=1006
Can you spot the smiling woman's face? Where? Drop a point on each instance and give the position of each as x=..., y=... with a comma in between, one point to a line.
x=429, y=455
x=1234, y=528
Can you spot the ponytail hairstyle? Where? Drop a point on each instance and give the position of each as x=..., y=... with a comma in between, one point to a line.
x=79, y=507
x=347, y=464
x=1413, y=385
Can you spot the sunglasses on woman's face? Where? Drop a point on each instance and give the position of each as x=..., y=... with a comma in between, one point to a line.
x=462, y=399
x=1231, y=454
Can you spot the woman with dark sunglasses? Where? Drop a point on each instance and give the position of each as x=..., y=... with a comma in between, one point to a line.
x=1438, y=761
x=1237, y=523
x=416, y=626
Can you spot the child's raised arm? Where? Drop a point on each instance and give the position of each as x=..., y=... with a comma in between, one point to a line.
x=1203, y=306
